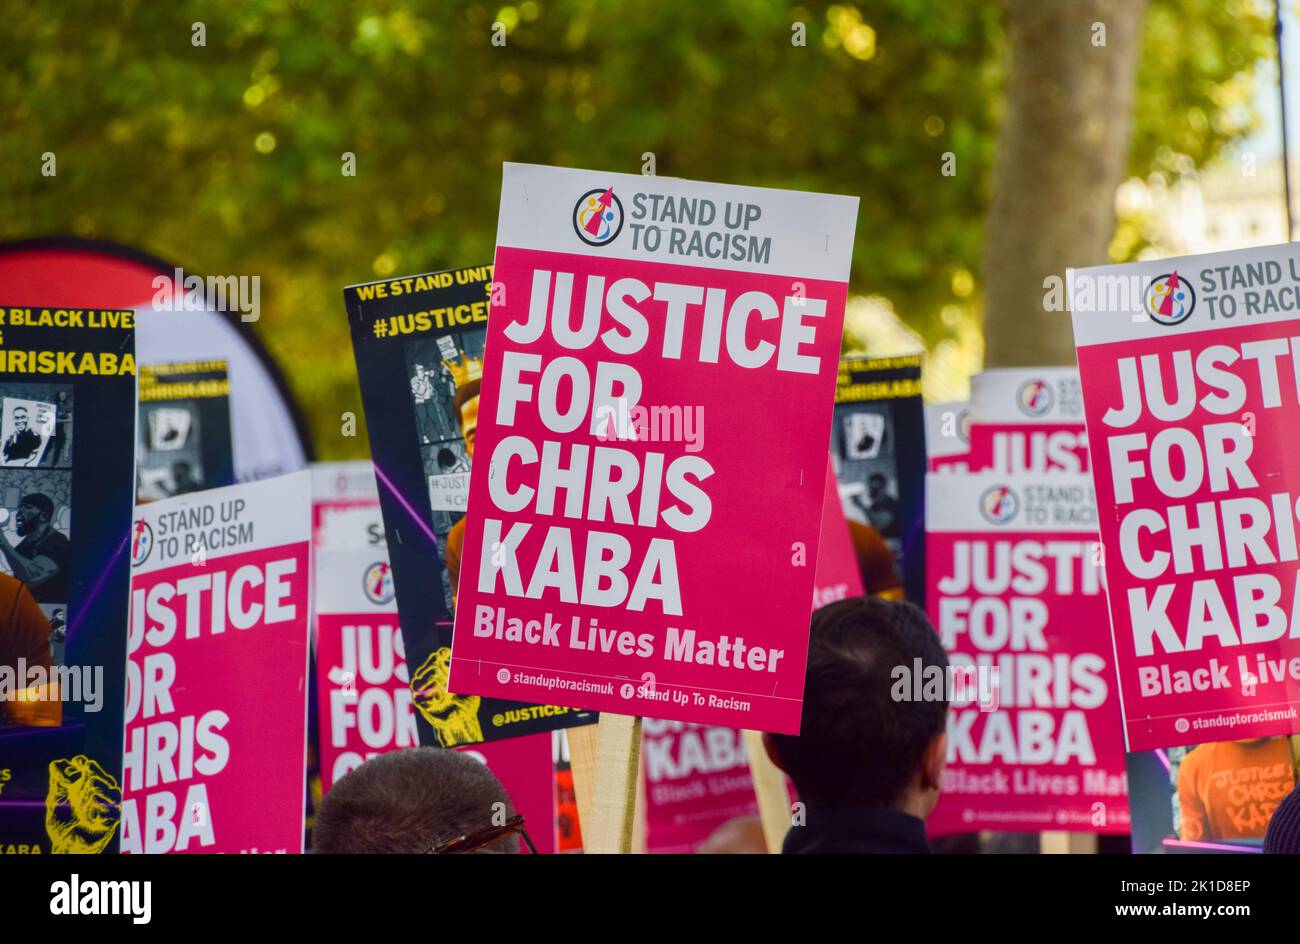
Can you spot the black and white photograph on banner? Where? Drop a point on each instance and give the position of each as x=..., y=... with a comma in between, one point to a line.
x=184, y=431
x=445, y=375
x=35, y=425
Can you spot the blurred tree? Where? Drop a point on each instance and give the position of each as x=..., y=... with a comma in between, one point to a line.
x=229, y=157
x=1062, y=153
x=1063, y=147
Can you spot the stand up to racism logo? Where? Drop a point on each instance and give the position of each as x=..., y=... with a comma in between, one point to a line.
x=999, y=504
x=377, y=582
x=141, y=542
x=1169, y=299
x=598, y=217
x=1035, y=397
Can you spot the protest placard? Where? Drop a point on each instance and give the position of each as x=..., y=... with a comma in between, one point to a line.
x=526, y=768
x=66, y=491
x=696, y=779
x=619, y=553
x=216, y=703
x=1192, y=386
x=345, y=506
x=1027, y=419
x=364, y=694
x=363, y=683
x=878, y=449
x=184, y=440
x=838, y=576
x=1017, y=596
x=418, y=342
x=947, y=435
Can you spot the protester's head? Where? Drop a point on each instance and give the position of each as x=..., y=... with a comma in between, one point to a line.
x=35, y=512
x=859, y=746
x=408, y=801
x=1283, y=836
x=876, y=485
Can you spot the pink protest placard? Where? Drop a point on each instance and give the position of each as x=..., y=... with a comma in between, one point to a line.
x=525, y=766
x=838, y=576
x=364, y=693
x=1192, y=385
x=1016, y=593
x=1027, y=419
x=216, y=736
x=696, y=779
x=657, y=390
x=362, y=682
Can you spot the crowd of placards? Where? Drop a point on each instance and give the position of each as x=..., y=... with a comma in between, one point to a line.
x=614, y=473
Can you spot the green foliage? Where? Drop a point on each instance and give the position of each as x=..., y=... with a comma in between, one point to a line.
x=227, y=158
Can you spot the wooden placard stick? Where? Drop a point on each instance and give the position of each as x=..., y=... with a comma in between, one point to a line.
x=1060, y=842
x=618, y=767
x=582, y=765
x=638, y=827
x=769, y=786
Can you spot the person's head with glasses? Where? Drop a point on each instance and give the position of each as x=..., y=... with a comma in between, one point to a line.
x=424, y=799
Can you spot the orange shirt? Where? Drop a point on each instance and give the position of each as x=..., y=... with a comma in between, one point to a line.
x=1230, y=789
x=24, y=634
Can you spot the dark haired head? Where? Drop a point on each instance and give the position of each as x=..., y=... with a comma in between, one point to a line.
x=1283, y=836
x=410, y=800
x=40, y=502
x=858, y=746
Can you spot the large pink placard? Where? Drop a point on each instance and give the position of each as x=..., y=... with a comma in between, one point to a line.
x=216, y=737
x=1017, y=595
x=655, y=410
x=1193, y=402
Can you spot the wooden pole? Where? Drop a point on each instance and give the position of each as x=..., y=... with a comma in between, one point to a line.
x=638, y=827
x=769, y=786
x=1059, y=842
x=613, y=804
x=582, y=765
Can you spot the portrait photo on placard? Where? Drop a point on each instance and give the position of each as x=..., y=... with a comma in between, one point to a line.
x=35, y=425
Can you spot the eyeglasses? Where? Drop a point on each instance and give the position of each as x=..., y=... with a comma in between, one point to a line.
x=484, y=837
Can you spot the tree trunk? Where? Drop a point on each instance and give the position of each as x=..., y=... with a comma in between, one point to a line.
x=1062, y=151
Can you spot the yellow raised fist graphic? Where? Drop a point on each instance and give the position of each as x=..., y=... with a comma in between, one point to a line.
x=454, y=718
x=82, y=807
